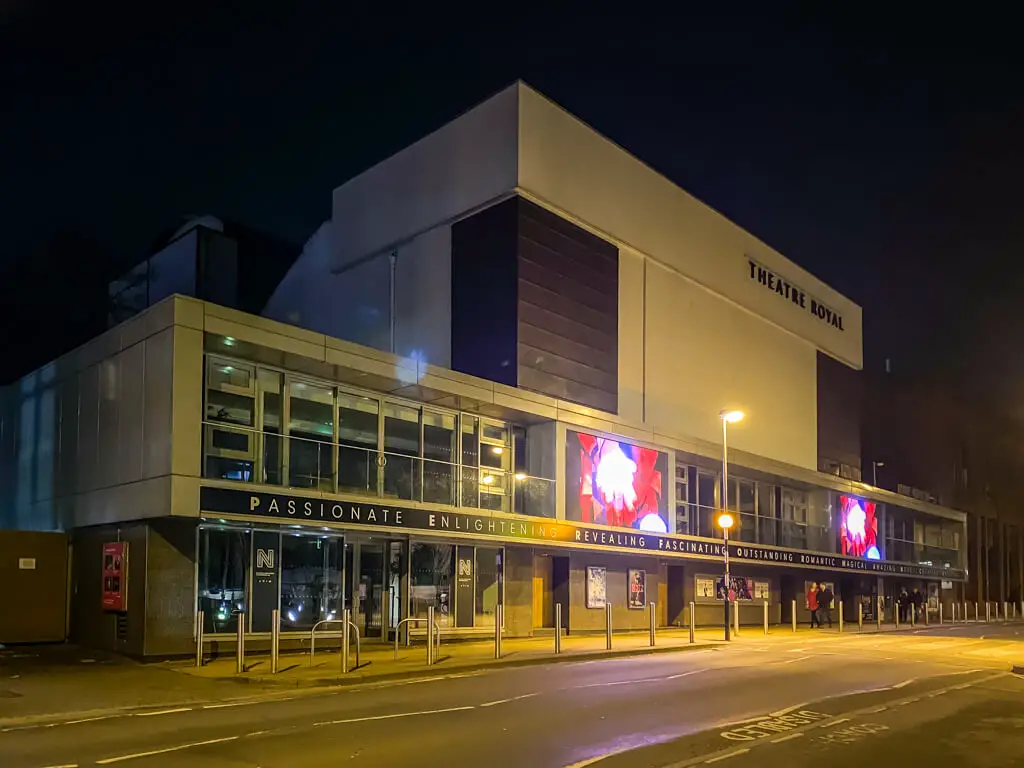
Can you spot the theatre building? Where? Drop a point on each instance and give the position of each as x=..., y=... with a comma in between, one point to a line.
x=494, y=377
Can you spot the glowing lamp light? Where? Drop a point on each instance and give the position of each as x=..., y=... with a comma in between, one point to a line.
x=497, y=450
x=488, y=479
x=725, y=521
x=731, y=416
x=873, y=554
x=652, y=523
x=520, y=476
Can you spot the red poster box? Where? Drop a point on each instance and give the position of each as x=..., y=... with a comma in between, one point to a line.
x=115, y=576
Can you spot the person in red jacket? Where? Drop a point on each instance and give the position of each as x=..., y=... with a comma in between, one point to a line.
x=812, y=605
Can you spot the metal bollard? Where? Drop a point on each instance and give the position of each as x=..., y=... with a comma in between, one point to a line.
x=651, y=608
x=766, y=617
x=608, y=626
x=497, y=632
x=927, y=615
x=793, y=614
x=896, y=614
x=976, y=619
x=430, y=634
x=240, y=644
x=736, y=618
x=199, y=638
x=693, y=616
x=345, y=639
x=913, y=615
x=558, y=628
x=1006, y=611
x=940, y=612
x=275, y=640
x=840, y=617
x=860, y=617
x=988, y=611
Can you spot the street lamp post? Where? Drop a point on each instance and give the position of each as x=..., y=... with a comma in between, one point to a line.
x=725, y=523
x=725, y=520
x=874, y=471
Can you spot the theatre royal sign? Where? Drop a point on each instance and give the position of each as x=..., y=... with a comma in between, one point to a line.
x=386, y=515
x=794, y=294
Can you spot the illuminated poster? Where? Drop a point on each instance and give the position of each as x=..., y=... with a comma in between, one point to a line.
x=597, y=586
x=115, y=576
x=637, y=581
x=858, y=528
x=614, y=483
x=705, y=588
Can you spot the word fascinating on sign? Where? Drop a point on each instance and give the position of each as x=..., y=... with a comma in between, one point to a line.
x=785, y=289
x=385, y=514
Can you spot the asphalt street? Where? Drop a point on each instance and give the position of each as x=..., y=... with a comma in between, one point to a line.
x=776, y=700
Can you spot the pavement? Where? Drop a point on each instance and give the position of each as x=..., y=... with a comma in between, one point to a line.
x=944, y=695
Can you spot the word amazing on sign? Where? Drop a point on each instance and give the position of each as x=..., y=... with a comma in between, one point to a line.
x=787, y=290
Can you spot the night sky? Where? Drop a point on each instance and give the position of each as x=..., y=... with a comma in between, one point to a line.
x=884, y=154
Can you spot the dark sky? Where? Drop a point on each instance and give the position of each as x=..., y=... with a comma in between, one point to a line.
x=882, y=153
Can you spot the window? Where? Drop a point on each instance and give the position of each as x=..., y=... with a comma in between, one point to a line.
x=223, y=569
x=310, y=580
x=469, y=491
x=357, y=443
x=707, y=492
x=745, y=495
x=228, y=435
x=310, y=435
x=794, y=519
x=495, y=465
x=272, y=453
x=401, y=451
x=440, y=440
x=432, y=573
x=682, y=495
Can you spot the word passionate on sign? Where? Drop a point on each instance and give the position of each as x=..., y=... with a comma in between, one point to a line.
x=768, y=279
x=386, y=514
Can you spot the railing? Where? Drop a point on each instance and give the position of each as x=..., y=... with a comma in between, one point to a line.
x=233, y=452
x=312, y=636
x=431, y=655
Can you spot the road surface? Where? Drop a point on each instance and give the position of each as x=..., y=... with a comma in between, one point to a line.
x=782, y=700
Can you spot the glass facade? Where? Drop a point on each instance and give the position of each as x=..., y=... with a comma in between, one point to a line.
x=267, y=426
x=223, y=575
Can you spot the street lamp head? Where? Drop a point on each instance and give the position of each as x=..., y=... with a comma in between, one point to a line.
x=725, y=521
x=879, y=463
x=730, y=416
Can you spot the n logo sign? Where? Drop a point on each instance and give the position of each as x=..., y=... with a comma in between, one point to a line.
x=465, y=567
x=264, y=558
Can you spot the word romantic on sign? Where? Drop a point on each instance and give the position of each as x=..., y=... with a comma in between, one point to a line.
x=797, y=295
x=297, y=509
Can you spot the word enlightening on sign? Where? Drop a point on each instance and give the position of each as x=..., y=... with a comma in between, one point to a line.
x=798, y=296
x=298, y=509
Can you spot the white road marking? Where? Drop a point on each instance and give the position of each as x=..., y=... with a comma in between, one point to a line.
x=685, y=674
x=937, y=693
x=787, y=738
x=90, y=719
x=230, y=704
x=598, y=758
x=394, y=716
x=66, y=765
x=163, y=712
x=794, y=661
x=835, y=722
x=506, y=701
x=787, y=710
x=876, y=710
x=728, y=755
x=905, y=683
x=121, y=758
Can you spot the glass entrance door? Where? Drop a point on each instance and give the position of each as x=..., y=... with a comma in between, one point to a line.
x=371, y=589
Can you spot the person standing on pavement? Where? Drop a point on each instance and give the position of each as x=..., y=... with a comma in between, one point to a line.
x=812, y=605
x=825, y=598
x=918, y=600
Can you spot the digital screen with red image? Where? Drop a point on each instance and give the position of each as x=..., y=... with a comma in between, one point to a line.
x=858, y=528
x=614, y=483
